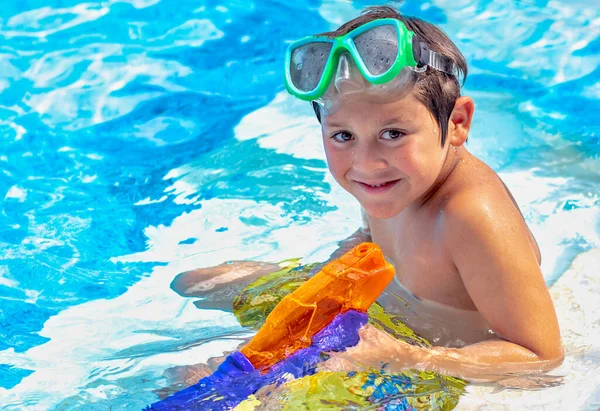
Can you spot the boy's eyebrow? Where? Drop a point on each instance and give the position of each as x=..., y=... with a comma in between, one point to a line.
x=385, y=123
x=334, y=125
x=395, y=120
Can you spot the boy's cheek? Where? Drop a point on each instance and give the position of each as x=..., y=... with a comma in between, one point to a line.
x=336, y=164
x=338, y=175
x=420, y=166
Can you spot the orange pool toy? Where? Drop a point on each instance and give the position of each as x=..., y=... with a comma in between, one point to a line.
x=352, y=282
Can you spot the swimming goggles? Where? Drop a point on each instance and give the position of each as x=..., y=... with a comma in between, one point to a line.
x=383, y=52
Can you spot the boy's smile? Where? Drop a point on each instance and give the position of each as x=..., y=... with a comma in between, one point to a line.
x=377, y=188
x=387, y=155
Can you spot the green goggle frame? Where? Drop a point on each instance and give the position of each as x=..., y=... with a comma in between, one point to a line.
x=410, y=53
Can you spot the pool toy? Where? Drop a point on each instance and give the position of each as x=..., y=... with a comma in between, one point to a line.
x=324, y=314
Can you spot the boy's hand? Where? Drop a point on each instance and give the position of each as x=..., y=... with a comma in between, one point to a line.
x=375, y=349
x=200, y=282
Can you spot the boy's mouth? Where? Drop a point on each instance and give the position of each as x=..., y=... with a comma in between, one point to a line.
x=377, y=187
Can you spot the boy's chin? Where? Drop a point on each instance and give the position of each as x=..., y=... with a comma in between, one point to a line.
x=381, y=211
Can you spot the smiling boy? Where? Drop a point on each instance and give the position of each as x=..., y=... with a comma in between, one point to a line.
x=386, y=89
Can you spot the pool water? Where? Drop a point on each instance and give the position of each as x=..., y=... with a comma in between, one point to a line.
x=143, y=138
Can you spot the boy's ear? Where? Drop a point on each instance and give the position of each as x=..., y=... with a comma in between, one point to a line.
x=460, y=120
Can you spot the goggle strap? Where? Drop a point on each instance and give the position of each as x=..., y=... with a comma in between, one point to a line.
x=442, y=63
x=426, y=57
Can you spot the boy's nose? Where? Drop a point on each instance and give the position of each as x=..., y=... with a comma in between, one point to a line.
x=368, y=158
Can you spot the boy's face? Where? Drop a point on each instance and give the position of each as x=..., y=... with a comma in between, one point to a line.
x=386, y=155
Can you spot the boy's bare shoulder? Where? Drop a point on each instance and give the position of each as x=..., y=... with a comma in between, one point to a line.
x=478, y=205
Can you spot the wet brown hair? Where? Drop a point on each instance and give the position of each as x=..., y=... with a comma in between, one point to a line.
x=436, y=90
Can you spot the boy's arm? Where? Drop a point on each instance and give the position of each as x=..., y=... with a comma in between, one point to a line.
x=203, y=281
x=489, y=245
x=199, y=282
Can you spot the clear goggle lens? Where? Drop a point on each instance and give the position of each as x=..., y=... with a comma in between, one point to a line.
x=307, y=65
x=378, y=48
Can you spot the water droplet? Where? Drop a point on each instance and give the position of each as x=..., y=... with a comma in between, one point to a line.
x=299, y=66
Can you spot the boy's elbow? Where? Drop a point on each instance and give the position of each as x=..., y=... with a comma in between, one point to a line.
x=553, y=356
x=559, y=356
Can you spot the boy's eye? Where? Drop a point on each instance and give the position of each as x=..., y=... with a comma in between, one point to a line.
x=392, y=134
x=342, y=136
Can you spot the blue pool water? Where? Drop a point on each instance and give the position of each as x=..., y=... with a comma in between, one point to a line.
x=142, y=138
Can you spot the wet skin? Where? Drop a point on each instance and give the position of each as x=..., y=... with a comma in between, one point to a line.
x=220, y=284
